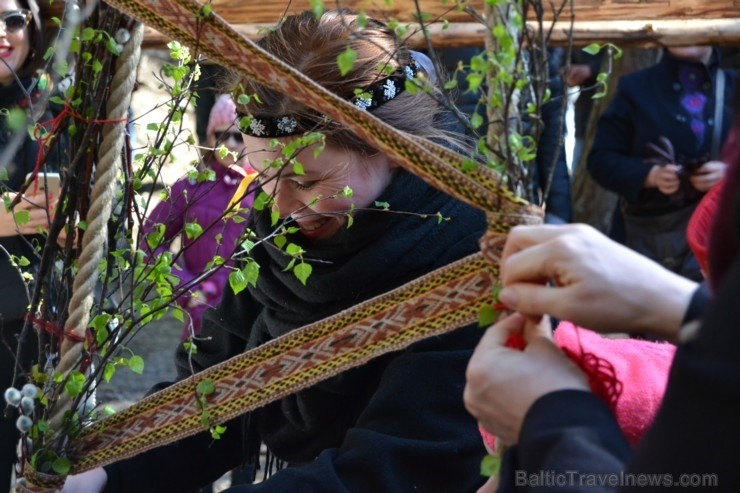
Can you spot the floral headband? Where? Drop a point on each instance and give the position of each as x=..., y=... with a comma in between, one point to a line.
x=374, y=96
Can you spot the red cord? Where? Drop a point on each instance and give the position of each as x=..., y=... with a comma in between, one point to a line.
x=601, y=375
x=54, y=125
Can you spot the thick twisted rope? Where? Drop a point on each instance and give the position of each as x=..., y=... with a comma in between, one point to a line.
x=103, y=194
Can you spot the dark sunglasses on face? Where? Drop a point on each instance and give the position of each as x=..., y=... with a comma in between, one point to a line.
x=15, y=20
x=224, y=136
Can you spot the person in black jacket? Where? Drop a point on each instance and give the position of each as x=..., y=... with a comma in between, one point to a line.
x=657, y=147
x=396, y=424
x=563, y=436
x=21, y=48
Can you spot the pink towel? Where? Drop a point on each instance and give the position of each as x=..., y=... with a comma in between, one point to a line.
x=641, y=366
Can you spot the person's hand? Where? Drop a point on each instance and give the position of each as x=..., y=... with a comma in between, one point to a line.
x=38, y=216
x=664, y=178
x=596, y=282
x=708, y=175
x=62, y=237
x=92, y=481
x=503, y=383
x=577, y=75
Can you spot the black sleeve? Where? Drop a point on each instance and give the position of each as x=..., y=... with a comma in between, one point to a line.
x=610, y=162
x=698, y=304
x=414, y=435
x=565, y=434
x=697, y=430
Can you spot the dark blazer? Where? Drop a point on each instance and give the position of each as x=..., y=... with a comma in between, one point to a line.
x=647, y=106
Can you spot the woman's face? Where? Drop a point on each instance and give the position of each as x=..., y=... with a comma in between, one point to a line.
x=228, y=135
x=700, y=54
x=314, y=199
x=15, y=44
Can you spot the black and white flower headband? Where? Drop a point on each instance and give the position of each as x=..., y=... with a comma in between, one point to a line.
x=374, y=96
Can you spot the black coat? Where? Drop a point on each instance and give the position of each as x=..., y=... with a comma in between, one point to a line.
x=13, y=299
x=396, y=424
x=647, y=106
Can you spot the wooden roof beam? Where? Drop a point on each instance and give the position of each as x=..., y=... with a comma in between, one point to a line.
x=672, y=32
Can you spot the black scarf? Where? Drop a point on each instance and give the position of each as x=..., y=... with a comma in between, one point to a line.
x=381, y=251
x=13, y=299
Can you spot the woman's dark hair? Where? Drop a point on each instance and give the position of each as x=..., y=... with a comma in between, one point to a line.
x=35, y=58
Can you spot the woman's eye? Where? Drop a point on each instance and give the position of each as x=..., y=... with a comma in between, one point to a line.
x=305, y=185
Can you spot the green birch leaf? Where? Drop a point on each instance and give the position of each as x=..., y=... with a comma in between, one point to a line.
x=487, y=316
x=136, y=363
x=109, y=371
x=251, y=273
x=302, y=271
x=592, y=49
x=205, y=387
x=317, y=7
x=293, y=250
x=61, y=466
x=346, y=61
x=490, y=466
x=193, y=230
x=75, y=383
x=88, y=33
x=237, y=281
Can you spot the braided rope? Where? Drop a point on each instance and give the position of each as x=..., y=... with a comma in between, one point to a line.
x=103, y=194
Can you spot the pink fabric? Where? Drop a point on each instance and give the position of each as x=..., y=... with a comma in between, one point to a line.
x=641, y=366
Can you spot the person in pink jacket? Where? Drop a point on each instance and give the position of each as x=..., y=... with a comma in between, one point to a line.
x=203, y=203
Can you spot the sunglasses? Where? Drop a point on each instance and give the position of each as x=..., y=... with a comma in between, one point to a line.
x=226, y=134
x=15, y=20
